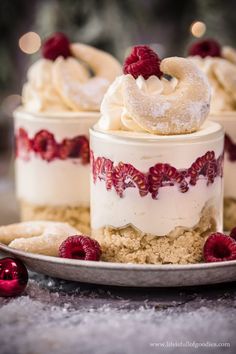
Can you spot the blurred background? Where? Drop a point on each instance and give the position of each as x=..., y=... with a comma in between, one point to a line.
x=113, y=25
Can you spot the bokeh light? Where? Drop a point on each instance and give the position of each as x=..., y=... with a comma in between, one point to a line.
x=30, y=42
x=198, y=29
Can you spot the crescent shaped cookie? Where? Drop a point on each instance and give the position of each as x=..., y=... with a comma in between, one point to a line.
x=226, y=75
x=85, y=94
x=41, y=237
x=181, y=111
x=229, y=53
x=102, y=64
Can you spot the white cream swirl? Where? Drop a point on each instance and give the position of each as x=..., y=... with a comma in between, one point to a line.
x=40, y=93
x=221, y=73
x=67, y=84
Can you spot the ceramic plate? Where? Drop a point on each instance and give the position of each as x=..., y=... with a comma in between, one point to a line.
x=120, y=274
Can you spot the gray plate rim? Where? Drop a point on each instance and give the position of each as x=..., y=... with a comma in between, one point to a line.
x=117, y=266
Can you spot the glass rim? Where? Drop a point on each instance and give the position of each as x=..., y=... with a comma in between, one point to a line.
x=145, y=138
x=64, y=116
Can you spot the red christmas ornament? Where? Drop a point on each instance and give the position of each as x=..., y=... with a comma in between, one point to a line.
x=13, y=277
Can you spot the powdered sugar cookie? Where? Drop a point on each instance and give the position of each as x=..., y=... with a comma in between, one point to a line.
x=42, y=237
x=69, y=77
x=85, y=94
x=226, y=75
x=181, y=111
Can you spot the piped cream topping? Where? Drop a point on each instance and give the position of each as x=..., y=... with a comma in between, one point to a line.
x=221, y=73
x=67, y=84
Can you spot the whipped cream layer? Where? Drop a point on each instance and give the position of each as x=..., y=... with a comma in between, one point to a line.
x=221, y=74
x=67, y=84
x=172, y=208
x=228, y=121
x=58, y=182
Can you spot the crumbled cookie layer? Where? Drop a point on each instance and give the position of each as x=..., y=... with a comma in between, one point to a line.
x=229, y=213
x=78, y=216
x=180, y=246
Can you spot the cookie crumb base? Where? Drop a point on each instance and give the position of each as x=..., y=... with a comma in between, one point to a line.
x=229, y=213
x=180, y=246
x=76, y=216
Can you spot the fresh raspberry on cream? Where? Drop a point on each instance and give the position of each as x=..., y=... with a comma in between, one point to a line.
x=205, y=48
x=142, y=61
x=56, y=46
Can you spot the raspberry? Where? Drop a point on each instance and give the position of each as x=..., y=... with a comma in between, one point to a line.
x=108, y=170
x=205, y=48
x=230, y=148
x=70, y=148
x=205, y=166
x=219, y=247
x=45, y=145
x=142, y=61
x=55, y=46
x=127, y=176
x=22, y=144
x=84, y=152
x=163, y=174
x=233, y=233
x=77, y=147
x=80, y=247
x=102, y=168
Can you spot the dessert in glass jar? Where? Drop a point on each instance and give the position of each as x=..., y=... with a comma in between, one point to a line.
x=60, y=102
x=219, y=64
x=156, y=181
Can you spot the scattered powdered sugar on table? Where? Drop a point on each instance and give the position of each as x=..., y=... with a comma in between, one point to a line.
x=63, y=317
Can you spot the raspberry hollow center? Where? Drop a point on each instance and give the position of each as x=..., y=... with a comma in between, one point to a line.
x=221, y=251
x=78, y=253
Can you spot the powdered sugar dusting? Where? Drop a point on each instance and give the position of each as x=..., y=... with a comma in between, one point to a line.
x=42, y=237
x=221, y=73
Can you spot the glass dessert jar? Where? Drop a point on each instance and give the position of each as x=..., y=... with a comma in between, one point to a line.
x=52, y=166
x=154, y=198
x=219, y=64
x=60, y=101
x=228, y=121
